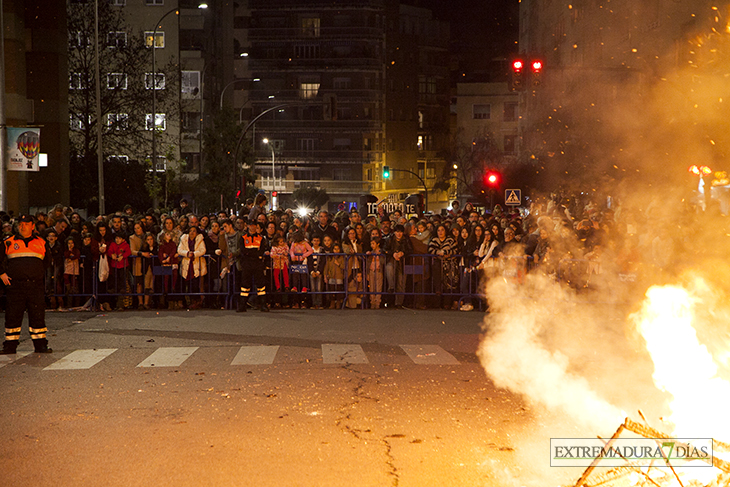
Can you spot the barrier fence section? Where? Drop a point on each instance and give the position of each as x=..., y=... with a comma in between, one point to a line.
x=338, y=281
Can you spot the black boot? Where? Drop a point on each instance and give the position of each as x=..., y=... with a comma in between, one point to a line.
x=41, y=346
x=9, y=347
x=241, y=305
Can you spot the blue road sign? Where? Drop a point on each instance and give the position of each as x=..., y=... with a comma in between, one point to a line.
x=513, y=197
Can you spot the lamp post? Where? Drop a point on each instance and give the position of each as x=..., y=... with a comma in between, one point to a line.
x=154, y=96
x=223, y=91
x=273, y=173
x=154, y=88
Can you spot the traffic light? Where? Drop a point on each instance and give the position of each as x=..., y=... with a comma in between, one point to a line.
x=518, y=71
x=536, y=67
x=492, y=179
x=386, y=172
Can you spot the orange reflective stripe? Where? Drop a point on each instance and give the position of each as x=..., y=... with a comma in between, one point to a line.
x=25, y=254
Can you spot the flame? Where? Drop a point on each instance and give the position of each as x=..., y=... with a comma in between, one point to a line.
x=683, y=366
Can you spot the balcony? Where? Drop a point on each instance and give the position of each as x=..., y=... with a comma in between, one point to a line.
x=330, y=185
x=325, y=33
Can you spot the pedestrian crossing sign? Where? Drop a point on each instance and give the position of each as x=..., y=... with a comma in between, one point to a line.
x=512, y=197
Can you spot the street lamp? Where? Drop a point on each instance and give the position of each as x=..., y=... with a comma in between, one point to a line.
x=154, y=87
x=235, y=81
x=273, y=173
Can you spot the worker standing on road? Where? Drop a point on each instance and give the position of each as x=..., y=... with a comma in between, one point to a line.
x=253, y=247
x=23, y=260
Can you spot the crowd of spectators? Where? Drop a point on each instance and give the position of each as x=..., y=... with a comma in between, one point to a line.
x=179, y=259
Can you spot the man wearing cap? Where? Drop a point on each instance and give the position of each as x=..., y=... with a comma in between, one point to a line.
x=253, y=247
x=23, y=260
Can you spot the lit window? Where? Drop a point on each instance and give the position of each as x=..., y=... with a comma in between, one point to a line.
x=310, y=26
x=160, y=122
x=159, y=39
x=308, y=90
x=190, y=84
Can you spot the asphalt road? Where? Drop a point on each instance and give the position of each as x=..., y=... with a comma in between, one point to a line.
x=288, y=398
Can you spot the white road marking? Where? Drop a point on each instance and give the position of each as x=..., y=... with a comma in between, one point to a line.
x=429, y=355
x=7, y=359
x=168, y=357
x=81, y=359
x=256, y=355
x=348, y=353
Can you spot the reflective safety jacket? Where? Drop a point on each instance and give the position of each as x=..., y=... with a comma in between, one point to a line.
x=252, y=247
x=24, y=258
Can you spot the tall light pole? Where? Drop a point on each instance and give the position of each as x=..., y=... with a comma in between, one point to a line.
x=273, y=173
x=154, y=96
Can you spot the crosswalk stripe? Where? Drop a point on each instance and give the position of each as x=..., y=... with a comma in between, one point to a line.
x=349, y=353
x=7, y=359
x=168, y=357
x=81, y=359
x=256, y=355
x=429, y=355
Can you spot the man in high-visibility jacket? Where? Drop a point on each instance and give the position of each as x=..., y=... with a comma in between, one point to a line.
x=23, y=262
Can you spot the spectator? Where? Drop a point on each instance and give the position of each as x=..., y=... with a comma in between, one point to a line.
x=148, y=254
x=191, y=250
x=71, y=272
x=445, y=277
x=135, y=246
x=375, y=266
x=280, y=270
x=54, y=273
x=420, y=238
x=299, y=252
x=119, y=253
x=335, y=273
x=323, y=227
x=168, y=257
x=398, y=248
x=316, y=266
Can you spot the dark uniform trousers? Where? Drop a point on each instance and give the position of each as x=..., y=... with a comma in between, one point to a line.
x=25, y=295
x=252, y=273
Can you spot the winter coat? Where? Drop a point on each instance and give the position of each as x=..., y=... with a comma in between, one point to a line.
x=198, y=262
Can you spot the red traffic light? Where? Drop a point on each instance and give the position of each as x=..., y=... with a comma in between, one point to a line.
x=492, y=179
x=536, y=66
x=238, y=194
x=274, y=194
x=518, y=65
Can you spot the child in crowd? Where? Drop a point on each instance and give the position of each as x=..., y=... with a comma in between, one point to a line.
x=71, y=271
x=316, y=265
x=375, y=273
x=280, y=268
x=334, y=274
x=354, y=289
x=119, y=253
x=299, y=252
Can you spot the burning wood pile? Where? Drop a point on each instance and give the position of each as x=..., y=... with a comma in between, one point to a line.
x=651, y=472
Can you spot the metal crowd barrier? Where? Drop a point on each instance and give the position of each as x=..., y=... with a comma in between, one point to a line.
x=367, y=281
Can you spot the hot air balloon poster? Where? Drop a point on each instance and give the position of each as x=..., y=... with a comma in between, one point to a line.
x=24, y=146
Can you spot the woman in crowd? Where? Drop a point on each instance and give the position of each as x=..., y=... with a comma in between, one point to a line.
x=135, y=246
x=445, y=277
x=148, y=255
x=191, y=250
